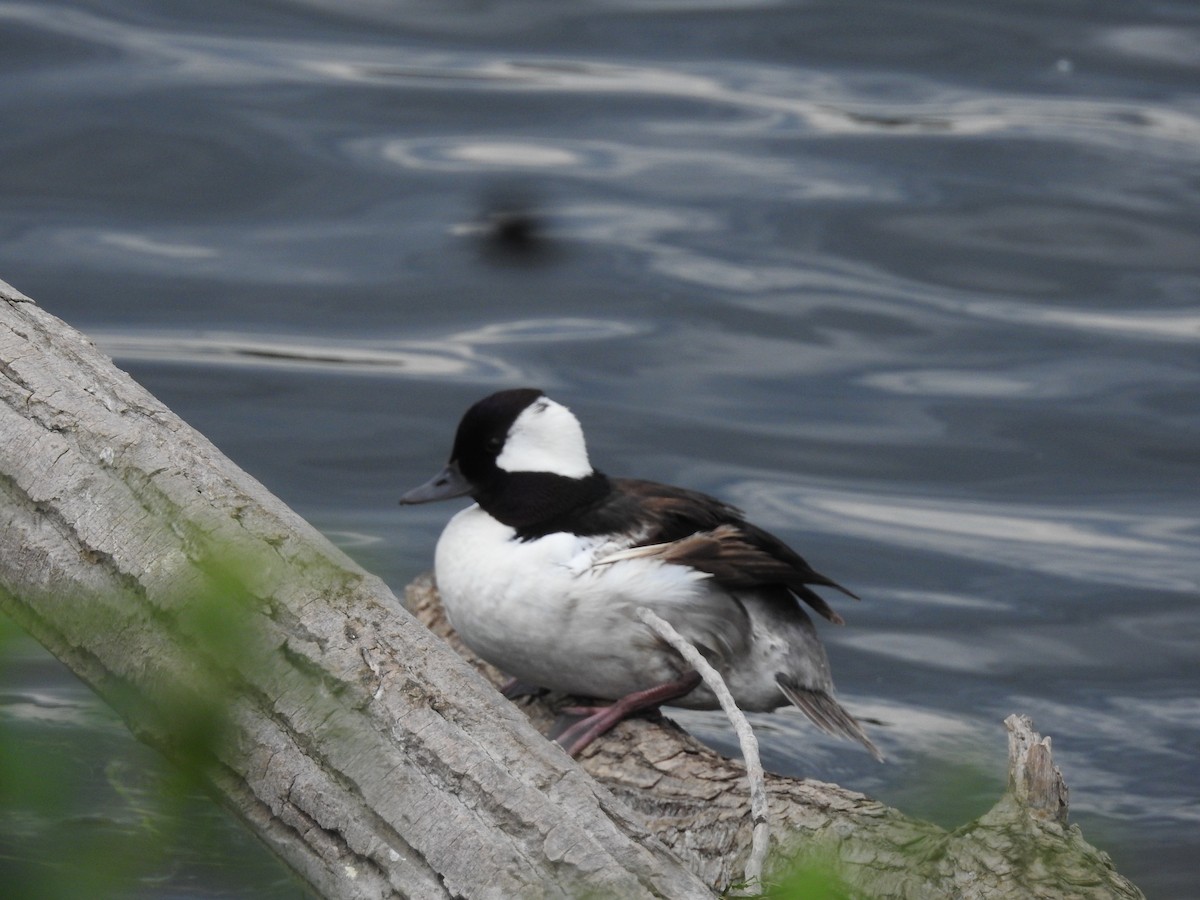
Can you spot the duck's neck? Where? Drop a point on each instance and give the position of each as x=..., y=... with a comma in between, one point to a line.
x=539, y=503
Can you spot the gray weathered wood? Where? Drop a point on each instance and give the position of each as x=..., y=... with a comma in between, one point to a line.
x=359, y=747
x=368, y=755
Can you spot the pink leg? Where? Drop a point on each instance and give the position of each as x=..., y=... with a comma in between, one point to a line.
x=601, y=718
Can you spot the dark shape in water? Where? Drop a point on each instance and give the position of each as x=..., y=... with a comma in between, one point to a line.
x=512, y=231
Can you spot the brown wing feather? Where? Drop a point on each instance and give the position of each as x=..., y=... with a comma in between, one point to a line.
x=693, y=529
x=734, y=562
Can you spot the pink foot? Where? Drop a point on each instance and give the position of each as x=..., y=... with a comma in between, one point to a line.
x=602, y=718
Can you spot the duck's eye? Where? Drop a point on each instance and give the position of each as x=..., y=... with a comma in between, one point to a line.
x=494, y=444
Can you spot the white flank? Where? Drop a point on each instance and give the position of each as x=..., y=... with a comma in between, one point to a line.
x=539, y=611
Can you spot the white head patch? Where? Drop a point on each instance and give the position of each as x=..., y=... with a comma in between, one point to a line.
x=546, y=437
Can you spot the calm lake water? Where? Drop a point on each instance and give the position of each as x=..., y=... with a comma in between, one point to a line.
x=914, y=283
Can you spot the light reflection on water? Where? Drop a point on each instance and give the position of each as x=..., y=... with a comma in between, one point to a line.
x=808, y=101
x=1141, y=550
x=1169, y=325
x=455, y=356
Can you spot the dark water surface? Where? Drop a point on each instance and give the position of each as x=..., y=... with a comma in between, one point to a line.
x=913, y=283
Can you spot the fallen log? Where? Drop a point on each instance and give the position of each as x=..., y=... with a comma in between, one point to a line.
x=371, y=758
x=375, y=761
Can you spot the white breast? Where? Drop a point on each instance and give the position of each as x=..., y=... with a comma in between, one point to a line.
x=543, y=613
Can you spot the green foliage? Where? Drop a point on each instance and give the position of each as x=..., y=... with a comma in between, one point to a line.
x=61, y=833
x=809, y=883
x=87, y=812
x=948, y=791
x=812, y=878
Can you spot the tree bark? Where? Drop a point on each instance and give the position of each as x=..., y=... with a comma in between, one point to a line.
x=372, y=758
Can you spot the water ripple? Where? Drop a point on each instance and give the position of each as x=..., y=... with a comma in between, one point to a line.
x=1030, y=381
x=1166, y=324
x=457, y=356
x=140, y=244
x=866, y=286
x=467, y=154
x=1155, y=550
x=812, y=101
x=1176, y=45
x=663, y=169
x=774, y=98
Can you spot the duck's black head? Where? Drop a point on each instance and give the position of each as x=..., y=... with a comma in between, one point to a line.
x=521, y=456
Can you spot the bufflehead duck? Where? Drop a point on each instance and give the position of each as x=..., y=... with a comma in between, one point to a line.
x=543, y=575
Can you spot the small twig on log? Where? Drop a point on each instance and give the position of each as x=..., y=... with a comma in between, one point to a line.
x=745, y=734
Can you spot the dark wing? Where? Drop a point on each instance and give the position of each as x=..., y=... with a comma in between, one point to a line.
x=659, y=512
x=693, y=529
x=826, y=713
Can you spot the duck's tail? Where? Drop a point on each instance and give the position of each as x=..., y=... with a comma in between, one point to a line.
x=826, y=713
